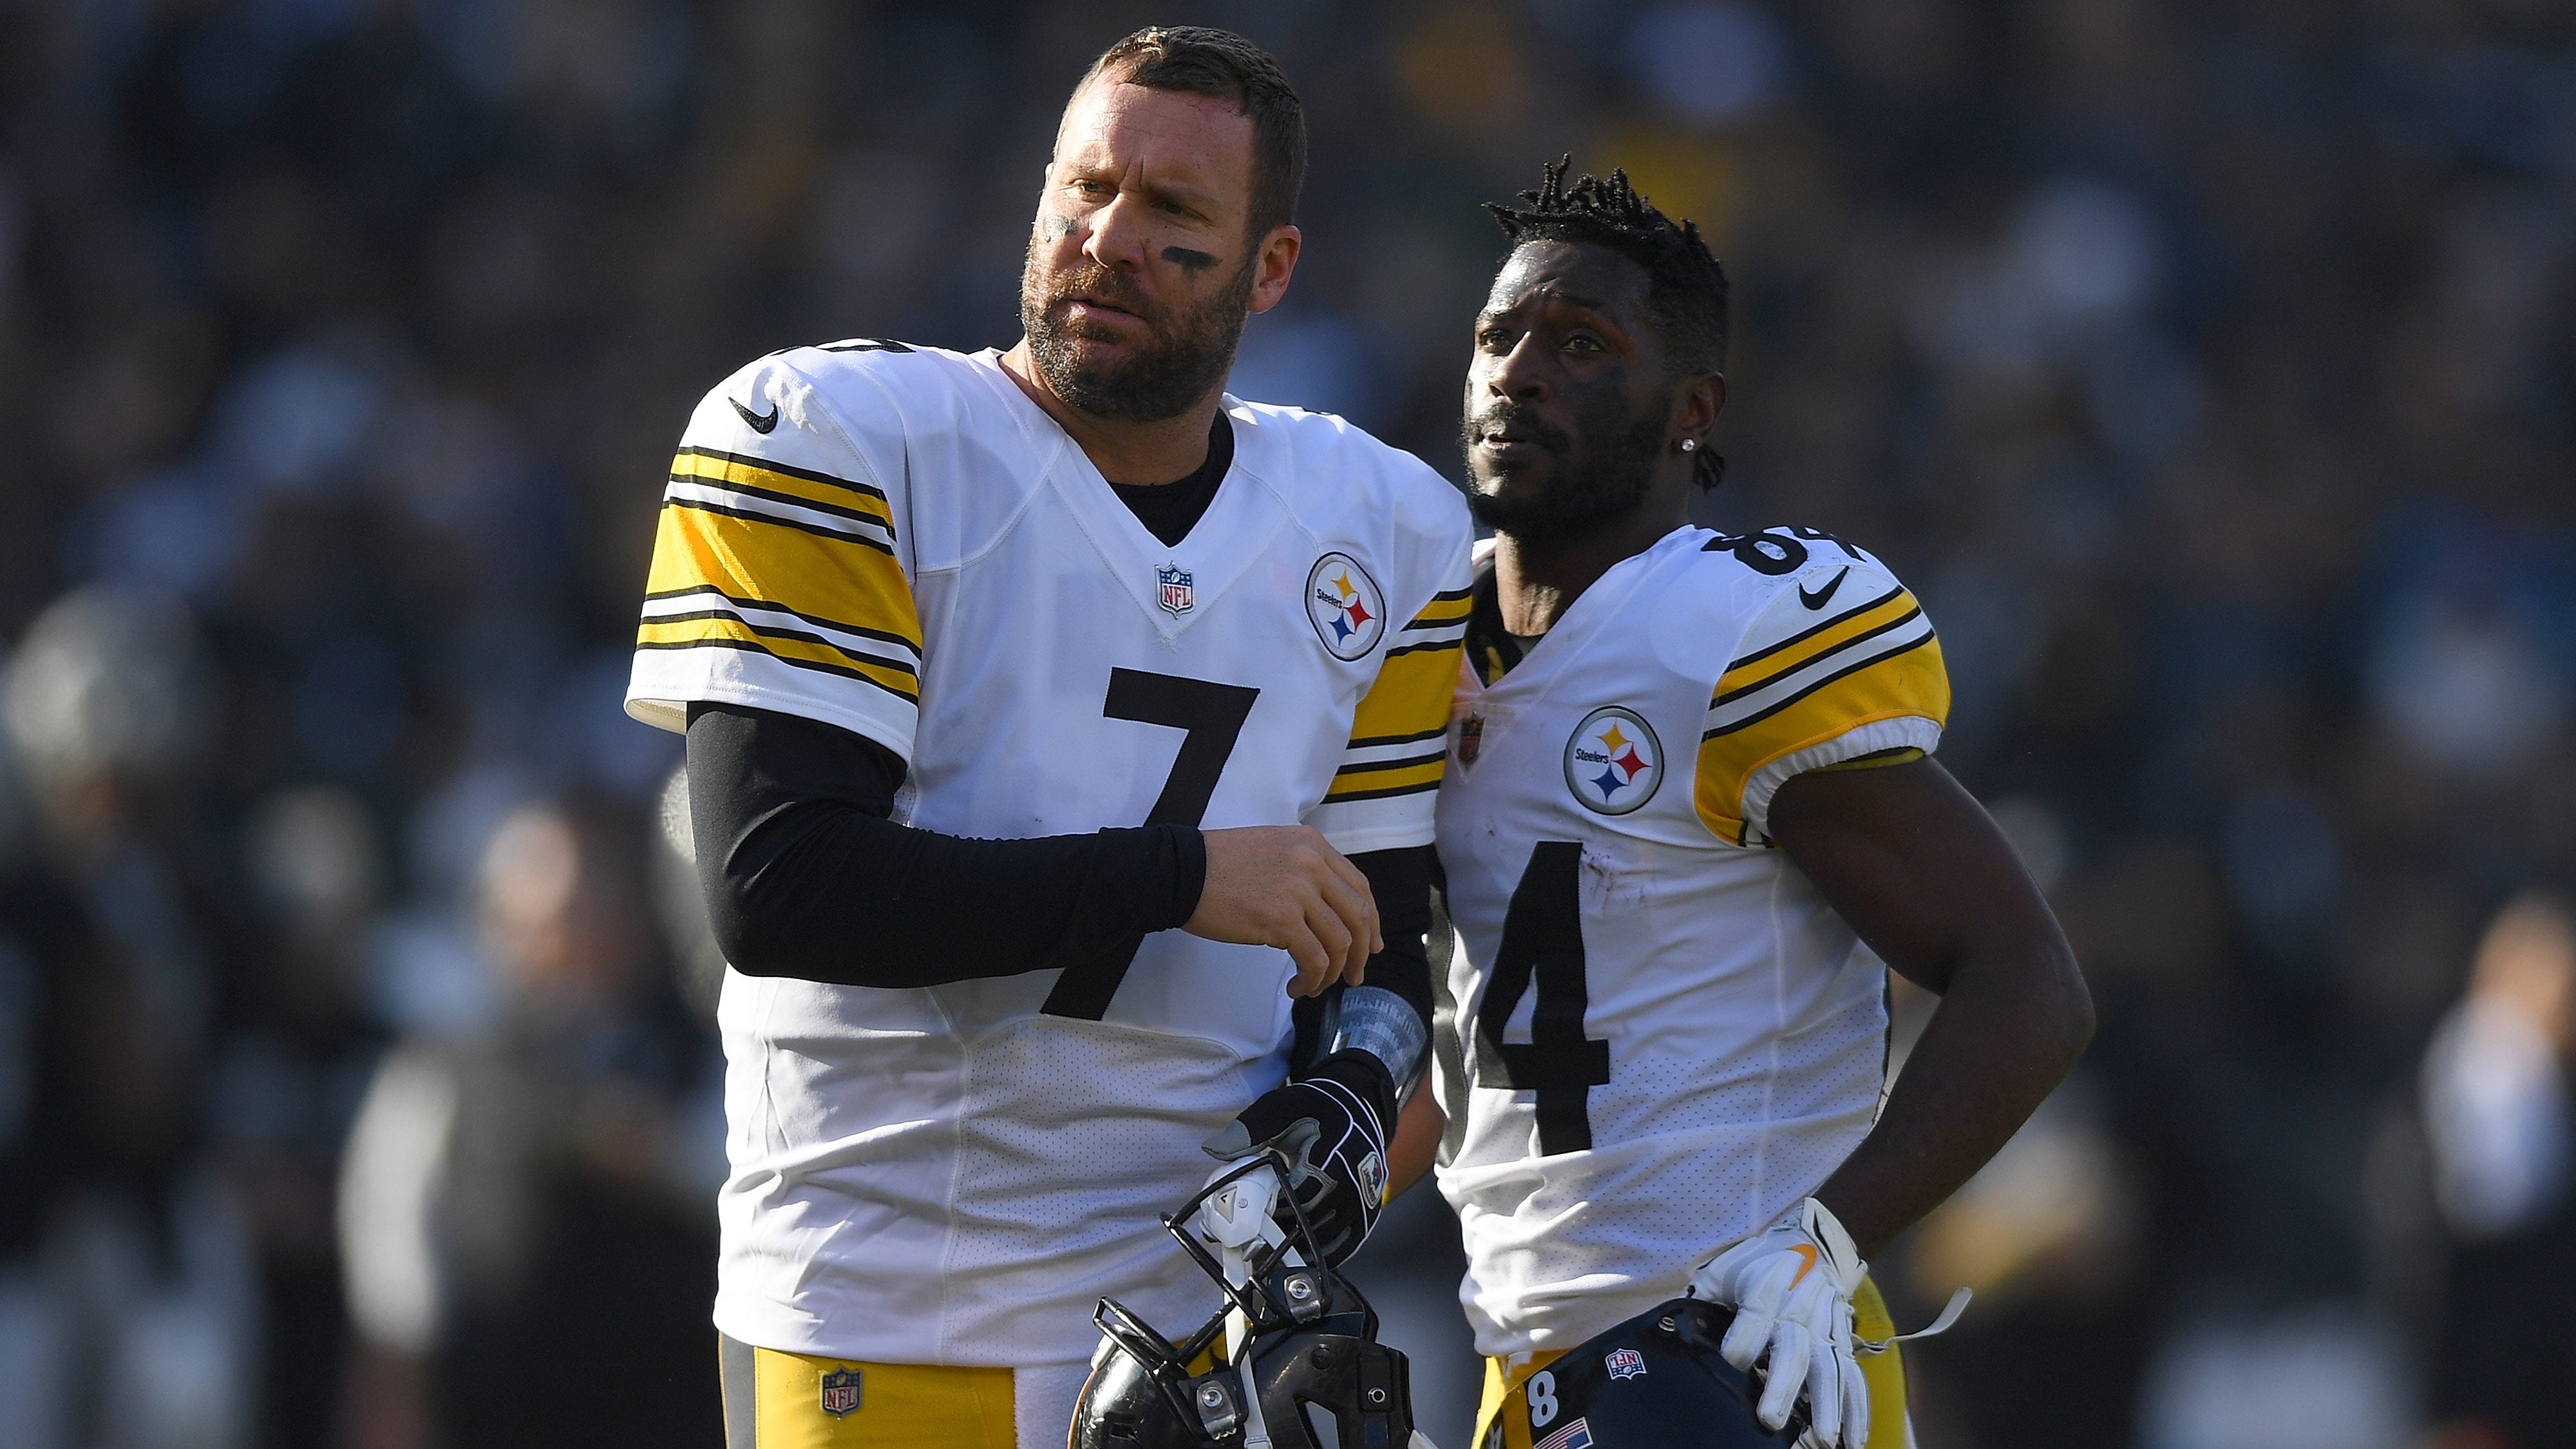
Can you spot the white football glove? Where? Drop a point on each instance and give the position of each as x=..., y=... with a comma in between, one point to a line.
x=1791, y=1286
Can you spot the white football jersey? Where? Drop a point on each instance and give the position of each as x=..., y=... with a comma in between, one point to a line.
x=896, y=540
x=1659, y=1036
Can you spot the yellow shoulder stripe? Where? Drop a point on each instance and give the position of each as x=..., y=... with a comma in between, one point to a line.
x=760, y=476
x=1411, y=694
x=1907, y=684
x=830, y=580
x=1395, y=777
x=1789, y=655
x=1446, y=608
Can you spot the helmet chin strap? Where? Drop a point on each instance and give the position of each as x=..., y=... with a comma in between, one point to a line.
x=1872, y=1347
x=1237, y=1220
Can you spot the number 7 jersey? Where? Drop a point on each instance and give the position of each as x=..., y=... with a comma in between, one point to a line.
x=1659, y=1035
x=897, y=541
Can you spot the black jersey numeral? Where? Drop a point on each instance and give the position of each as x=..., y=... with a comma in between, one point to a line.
x=1212, y=716
x=1212, y=713
x=1543, y=941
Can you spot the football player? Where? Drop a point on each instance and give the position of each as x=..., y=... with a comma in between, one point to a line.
x=1693, y=810
x=1062, y=740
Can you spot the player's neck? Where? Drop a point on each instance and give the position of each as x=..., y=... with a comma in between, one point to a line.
x=1536, y=579
x=1166, y=450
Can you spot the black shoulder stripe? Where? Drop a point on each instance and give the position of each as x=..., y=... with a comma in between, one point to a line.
x=1838, y=651
x=1803, y=635
x=772, y=465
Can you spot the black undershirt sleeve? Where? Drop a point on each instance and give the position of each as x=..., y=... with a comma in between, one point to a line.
x=807, y=876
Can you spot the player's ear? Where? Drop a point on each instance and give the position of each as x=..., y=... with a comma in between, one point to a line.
x=1273, y=262
x=1696, y=404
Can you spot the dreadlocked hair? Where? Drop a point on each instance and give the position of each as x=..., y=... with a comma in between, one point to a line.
x=1686, y=284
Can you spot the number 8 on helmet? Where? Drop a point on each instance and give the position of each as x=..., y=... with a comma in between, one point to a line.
x=1656, y=1381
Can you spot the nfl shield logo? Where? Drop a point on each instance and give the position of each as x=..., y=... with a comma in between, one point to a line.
x=841, y=1392
x=1625, y=1363
x=1177, y=593
x=1471, y=738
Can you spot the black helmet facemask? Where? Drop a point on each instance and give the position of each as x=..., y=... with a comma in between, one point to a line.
x=1300, y=1366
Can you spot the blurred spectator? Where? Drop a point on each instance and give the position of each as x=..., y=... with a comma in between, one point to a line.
x=2498, y=1119
x=135, y=1318
x=287, y=1086
x=528, y=1204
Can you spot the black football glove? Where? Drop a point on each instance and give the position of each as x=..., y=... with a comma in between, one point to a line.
x=1331, y=1126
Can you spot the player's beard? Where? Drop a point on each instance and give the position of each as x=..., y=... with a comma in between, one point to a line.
x=1186, y=357
x=1620, y=468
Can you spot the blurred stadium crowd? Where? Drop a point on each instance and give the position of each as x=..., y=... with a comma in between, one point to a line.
x=2209, y=369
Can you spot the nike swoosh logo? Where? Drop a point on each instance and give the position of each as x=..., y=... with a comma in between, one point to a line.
x=1806, y=1255
x=761, y=424
x=1815, y=600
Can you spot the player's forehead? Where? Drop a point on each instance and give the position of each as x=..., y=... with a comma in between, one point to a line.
x=1173, y=138
x=1580, y=274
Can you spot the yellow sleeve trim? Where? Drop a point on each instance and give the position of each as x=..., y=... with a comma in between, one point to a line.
x=1411, y=694
x=816, y=599
x=763, y=478
x=787, y=646
x=1446, y=608
x=1395, y=777
x=1899, y=686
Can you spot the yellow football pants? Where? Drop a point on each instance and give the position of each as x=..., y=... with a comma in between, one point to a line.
x=775, y=1400
x=1885, y=1375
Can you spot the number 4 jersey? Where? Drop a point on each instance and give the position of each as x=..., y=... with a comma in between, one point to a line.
x=1659, y=1036
x=897, y=541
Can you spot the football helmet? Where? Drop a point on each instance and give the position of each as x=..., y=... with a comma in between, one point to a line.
x=1302, y=1369
x=1656, y=1381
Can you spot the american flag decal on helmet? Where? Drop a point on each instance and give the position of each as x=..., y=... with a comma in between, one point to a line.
x=1577, y=1435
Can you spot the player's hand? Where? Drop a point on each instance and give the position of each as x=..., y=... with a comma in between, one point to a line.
x=1791, y=1286
x=1331, y=1126
x=1281, y=885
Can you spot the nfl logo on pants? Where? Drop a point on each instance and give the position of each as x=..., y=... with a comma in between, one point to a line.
x=841, y=1392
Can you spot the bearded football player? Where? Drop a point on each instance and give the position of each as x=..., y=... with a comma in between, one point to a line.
x=1692, y=810
x=1062, y=740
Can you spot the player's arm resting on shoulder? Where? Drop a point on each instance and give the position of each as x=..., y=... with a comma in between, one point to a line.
x=807, y=876
x=1921, y=872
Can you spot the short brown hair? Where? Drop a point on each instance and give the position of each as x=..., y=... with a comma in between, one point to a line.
x=1209, y=62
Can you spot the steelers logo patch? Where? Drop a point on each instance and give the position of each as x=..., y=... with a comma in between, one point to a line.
x=1343, y=601
x=1614, y=762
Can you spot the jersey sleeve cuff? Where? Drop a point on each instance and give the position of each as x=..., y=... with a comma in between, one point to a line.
x=1395, y=823
x=1904, y=732
x=666, y=682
